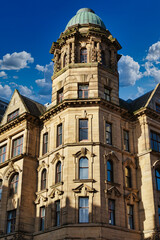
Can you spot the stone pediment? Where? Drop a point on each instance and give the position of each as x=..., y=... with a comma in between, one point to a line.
x=83, y=187
x=113, y=190
x=129, y=162
x=39, y=198
x=54, y=192
x=11, y=169
x=82, y=152
x=111, y=155
x=132, y=197
x=57, y=157
x=42, y=165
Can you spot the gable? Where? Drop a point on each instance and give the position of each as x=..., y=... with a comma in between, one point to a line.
x=14, y=105
x=154, y=100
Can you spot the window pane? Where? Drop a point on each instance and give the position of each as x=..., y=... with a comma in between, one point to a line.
x=18, y=146
x=83, y=129
x=83, y=168
x=83, y=210
x=11, y=221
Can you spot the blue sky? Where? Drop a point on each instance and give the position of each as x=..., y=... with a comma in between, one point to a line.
x=28, y=29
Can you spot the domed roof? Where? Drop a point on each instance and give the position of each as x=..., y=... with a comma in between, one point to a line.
x=85, y=16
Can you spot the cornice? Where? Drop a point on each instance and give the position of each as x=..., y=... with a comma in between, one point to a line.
x=17, y=121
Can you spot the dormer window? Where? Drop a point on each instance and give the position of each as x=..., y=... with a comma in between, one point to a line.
x=83, y=58
x=12, y=115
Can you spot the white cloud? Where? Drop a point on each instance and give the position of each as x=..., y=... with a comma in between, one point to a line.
x=24, y=90
x=154, y=52
x=16, y=61
x=129, y=71
x=140, y=91
x=3, y=74
x=152, y=71
x=45, y=83
x=40, y=68
x=5, y=91
x=15, y=77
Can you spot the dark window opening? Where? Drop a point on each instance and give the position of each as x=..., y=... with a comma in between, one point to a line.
x=83, y=129
x=83, y=55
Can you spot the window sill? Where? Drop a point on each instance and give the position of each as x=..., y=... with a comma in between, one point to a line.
x=83, y=180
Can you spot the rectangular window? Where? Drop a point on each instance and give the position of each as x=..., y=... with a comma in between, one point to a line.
x=17, y=146
x=130, y=216
x=111, y=211
x=58, y=213
x=3, y=153
x=126, y=140
x=108, y=133
x=107, y=94
x=83, y=91
x=83, y=129
x=155, y=141
x=83, y=209
x=45, y=143
x=60, y=96
x=13, y=115
x=157, y=107
x=11, y=221
x=59, y=135
x=42, y=218
x=159, y=214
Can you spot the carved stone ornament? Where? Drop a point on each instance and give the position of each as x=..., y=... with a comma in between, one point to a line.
x=11, y=169
x=83, y=187
x=82, y=152
x=129, y=162
x=42, y=165
x=113, y=190
x=40, y=197
x=111, y=155
x=54, y=192
x=57, y=158
x=132, y=197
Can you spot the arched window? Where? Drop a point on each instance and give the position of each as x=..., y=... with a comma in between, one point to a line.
x=109, y=171
x=157, y=173
x=58, y=172
x=43, y=179
x=1, y=182
x=128, y=177
x=13, y=184
x=65, y=60
x=83, y=168
x=83, y=55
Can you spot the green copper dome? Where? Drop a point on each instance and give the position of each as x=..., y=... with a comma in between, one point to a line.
x=85, y=16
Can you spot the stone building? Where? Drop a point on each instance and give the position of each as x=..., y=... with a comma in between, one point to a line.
x=88, y=165
x=3, y=106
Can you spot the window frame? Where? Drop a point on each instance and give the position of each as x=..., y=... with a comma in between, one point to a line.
x=111, y=211
x=83, y=169
x=130, y=216
x=17, y=146
x=83, y=129
x=43, y=179
x=110, y=171
x=159, y=214
x=13, y=115
x=126, y=140
x=45, y=143
x=57, y=213
x=59, y=134
x=107, y=93
x=128, y=177
x=60, y=96
x=42, y=218
x=13, y=184
x=155, y=143
x=83, y=91
x=157, y=178
x=58, y=172
x=109, y=133
x=11, y=221
x=83, y=55
x=3, y=154
x=83, y=208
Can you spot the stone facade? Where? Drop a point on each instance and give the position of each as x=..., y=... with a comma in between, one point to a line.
x=85, y=167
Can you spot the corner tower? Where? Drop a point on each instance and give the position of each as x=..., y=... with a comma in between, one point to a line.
x=85, y=53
